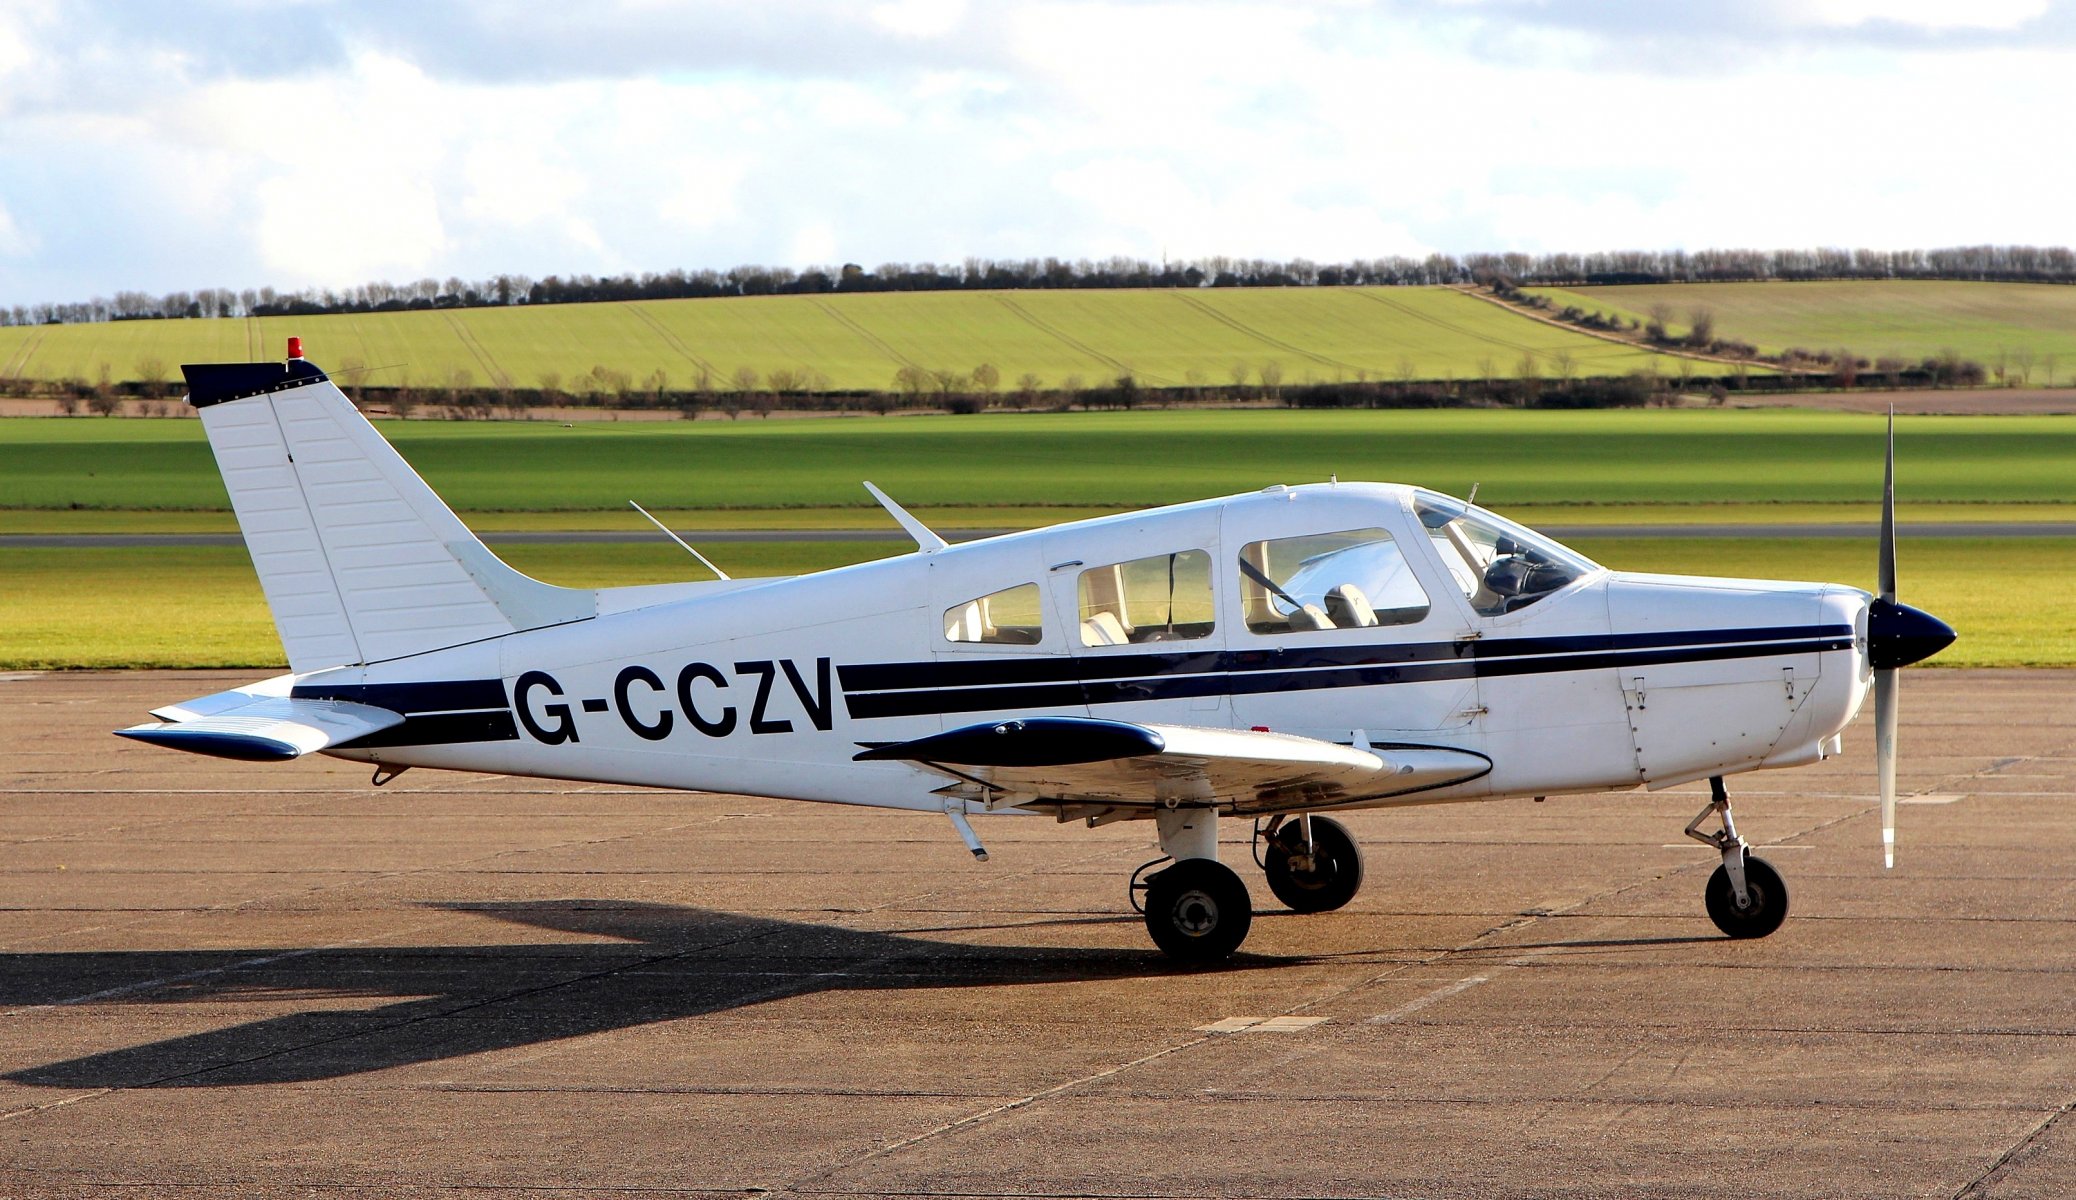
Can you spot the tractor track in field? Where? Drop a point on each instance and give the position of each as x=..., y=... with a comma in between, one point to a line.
x=1409, y=311
x=1599, y=334
x=19, y=360
x=1119, y=365
x=496, y=374
x=674, y=341
x=1239, y=326
x=872, y=339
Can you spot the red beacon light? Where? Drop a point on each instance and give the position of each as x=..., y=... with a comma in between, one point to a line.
x=295, y=347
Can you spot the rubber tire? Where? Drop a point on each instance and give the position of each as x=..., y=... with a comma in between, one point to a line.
x=1337, y=867
x=1769, y=900
x=1198, y=910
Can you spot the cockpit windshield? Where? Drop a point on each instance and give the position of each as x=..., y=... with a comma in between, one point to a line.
x=1501, y=566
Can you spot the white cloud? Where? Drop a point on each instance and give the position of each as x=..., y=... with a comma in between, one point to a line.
x=922, y=130
x=14, y=242
x=1922, y=14
x=920, y=18
x=322, y=226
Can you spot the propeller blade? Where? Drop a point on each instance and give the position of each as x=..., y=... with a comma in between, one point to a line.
x=1885, y=687
x=1886, y=570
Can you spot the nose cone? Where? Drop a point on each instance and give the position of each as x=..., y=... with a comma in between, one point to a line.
x=1898, y=635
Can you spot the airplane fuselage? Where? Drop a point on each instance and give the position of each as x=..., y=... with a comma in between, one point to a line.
x=1608, y=681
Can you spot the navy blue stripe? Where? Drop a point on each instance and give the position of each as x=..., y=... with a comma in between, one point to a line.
x=443, y=729
x=441, y=695
x=984, y=672
x=1280, y=677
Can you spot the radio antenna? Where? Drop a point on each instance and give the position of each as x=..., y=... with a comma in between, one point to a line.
x=703, y=561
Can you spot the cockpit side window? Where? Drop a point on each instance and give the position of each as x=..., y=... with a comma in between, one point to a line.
x=1010, y=617
x=1357, y=579
x=1501, y=566
x=1164, y=598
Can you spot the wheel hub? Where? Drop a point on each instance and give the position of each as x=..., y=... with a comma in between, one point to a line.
x=1196, y=913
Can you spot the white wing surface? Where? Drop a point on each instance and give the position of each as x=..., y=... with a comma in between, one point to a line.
x=1076, y=760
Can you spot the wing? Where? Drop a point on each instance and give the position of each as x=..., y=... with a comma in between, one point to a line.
x=260, y=727
x=1079, y=760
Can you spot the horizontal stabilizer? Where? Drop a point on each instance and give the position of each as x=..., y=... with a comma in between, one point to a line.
x=264, y=729
x=1083, y=760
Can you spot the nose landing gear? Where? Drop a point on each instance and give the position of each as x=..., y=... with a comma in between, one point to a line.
x=1745, y=896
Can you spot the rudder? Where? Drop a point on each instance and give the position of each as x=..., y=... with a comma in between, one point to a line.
x=359, y=559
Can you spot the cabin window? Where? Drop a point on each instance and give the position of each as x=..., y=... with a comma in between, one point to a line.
x=1009, y=617
x=1352, y=580
x=1499, y=565
x=1164, y=598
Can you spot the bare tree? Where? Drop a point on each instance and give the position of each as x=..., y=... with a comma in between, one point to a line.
x=1701, y=326
x=1027, y=386
x=2022, y=358
x=911, y=381
x=1271, y=375
x=1566, y=364
x=1660, y=322
x=743, y=388
x=1404, y=371
x=987, y=378
x=152, y=373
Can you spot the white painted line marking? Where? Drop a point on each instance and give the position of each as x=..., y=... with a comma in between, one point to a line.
x=1262, y=1024
x=1457, y=988
x=1287, y=1024
x=1932, y=798
x=1434, y=997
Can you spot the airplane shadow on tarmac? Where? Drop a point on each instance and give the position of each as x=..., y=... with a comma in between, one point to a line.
x=666, y=963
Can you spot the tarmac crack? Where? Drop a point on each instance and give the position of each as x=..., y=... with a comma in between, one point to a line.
x=2018, y=1150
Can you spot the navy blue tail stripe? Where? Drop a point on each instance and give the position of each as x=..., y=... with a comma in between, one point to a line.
x=440, y=695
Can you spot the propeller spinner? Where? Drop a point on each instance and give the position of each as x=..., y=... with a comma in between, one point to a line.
x=1897, y=635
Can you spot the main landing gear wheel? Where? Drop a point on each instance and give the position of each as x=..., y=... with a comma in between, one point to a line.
x=1198, y=910
x=1316, y=882
x=1766, y=895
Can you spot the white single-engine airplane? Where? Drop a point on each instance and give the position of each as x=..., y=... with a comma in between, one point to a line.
x=1275, y=655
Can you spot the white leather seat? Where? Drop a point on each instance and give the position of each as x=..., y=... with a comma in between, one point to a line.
x=1310, y=617
x=1349, y=608
x=1103, y=629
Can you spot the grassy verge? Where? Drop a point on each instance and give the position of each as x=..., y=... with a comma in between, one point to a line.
x=201, y=607
x=1106, y=460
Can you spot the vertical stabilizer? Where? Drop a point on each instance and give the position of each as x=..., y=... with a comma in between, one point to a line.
x=359, y=560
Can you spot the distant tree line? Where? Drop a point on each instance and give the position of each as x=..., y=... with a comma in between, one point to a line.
x=2027, y=264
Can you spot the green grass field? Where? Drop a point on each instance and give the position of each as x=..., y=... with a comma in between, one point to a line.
x=201, y=607
x=1096, y=460
x=1165, y=338
x=1910, y=319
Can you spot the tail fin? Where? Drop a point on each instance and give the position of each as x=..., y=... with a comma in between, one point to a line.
x=359, y=560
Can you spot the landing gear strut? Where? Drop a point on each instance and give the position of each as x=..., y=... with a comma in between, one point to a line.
x=1745, y=896
x=1198, y=910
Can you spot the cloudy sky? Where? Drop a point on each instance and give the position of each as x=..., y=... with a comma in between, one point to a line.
x=240, y=143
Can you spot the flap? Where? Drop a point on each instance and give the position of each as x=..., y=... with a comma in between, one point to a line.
x=1085, y=760
x=265, y=728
